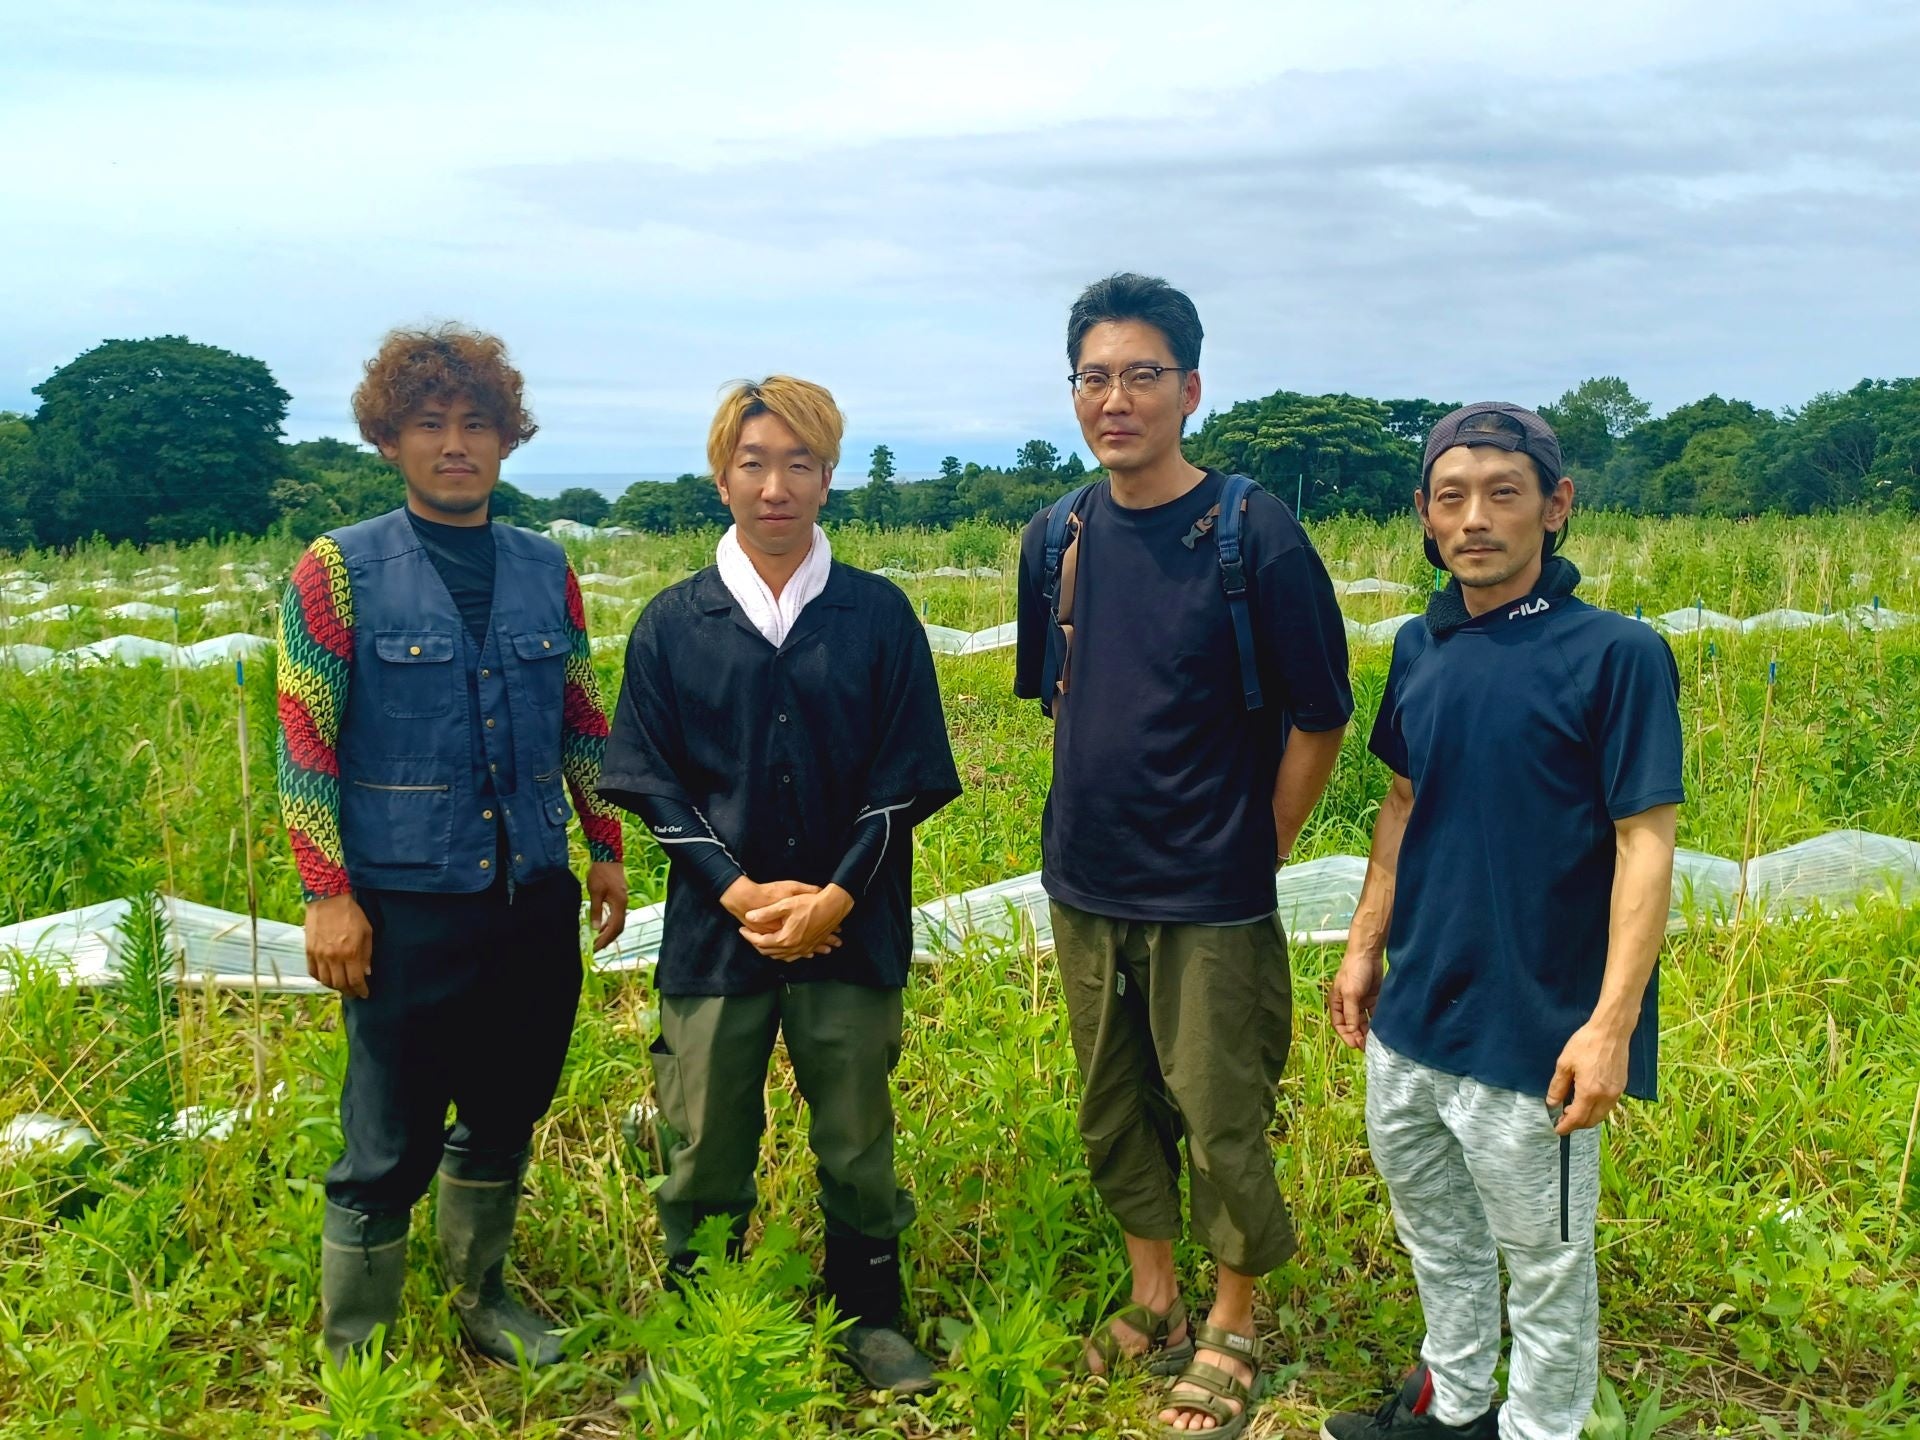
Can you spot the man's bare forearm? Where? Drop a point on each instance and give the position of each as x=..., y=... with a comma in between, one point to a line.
x=1373, y=916
x=1304, y=771
x=1642, y=900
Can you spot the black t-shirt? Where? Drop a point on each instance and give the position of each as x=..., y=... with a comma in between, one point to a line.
x=463, y=555
x=1161, y=807
x=781, y=751
x=1527, y=733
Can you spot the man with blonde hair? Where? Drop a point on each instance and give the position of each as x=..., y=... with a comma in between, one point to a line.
x=779, y=730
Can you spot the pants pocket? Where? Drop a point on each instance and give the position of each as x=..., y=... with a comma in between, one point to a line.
x=669, y=1097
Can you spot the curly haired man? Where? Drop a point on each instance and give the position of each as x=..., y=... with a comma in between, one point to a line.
x=437, y=705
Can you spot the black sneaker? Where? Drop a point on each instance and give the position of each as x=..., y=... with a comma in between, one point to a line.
x=1405, y=1414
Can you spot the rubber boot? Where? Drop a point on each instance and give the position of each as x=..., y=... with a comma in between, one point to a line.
x=473, y=1221
x=363, y=1268
x=862, y=1276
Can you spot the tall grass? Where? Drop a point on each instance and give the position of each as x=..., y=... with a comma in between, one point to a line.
x=1760, y=1241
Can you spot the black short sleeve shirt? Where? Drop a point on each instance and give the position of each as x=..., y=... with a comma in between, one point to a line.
x=1161, y=807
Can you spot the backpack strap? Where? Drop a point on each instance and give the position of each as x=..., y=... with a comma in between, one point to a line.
x=1224, y=522
x=1061, y=567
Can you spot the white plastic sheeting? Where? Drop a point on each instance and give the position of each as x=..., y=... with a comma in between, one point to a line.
x=1828, y=871
x=137, y=649
x=212, y=945
x=1315, y=901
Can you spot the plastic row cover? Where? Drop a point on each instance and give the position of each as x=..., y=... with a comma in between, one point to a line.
x=133, y=649
x=1315, y=902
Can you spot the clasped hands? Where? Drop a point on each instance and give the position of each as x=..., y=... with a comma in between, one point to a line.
x=788, y=920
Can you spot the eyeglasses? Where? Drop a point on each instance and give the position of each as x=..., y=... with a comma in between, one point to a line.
x=1136, y=380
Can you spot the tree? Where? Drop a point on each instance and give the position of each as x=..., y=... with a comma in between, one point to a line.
x=880, y=467
x=1074, y=467
x=950, y=468
x=1591, y=418
x=1334, y=453
x=1037, y=459
x=16, y=440
x=157, y=439
x=878, y=501
x=578, y=502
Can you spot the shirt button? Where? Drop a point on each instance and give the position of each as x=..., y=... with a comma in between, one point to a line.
x=786, y=779
x=546, y=644
x=486, y=864
x=486, y=814
x=489, y=722
x=493, y=769
x=783, y=717
x=413, y=650
x=791, y=842
x=484, y=672
x=518, y=858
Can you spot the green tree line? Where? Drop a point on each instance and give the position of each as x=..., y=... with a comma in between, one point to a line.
x=165, y=439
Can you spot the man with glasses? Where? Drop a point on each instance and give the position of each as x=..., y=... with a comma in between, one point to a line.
x=1521, y=873
x=1195, y=724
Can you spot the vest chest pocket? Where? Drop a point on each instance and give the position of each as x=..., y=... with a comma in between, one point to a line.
x=415, y=677
x=543, y=672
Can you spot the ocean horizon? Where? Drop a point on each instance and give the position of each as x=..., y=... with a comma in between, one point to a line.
x=545, y=484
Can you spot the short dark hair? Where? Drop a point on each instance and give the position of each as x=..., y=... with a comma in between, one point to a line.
x=1145, y=298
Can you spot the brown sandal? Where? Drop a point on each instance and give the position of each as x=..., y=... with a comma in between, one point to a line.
x=1161, y=1357
x=1220, y=1390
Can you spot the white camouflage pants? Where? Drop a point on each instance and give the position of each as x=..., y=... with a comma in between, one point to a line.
x=1470, y=1168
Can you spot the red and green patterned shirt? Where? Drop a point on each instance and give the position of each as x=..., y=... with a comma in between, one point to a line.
x=316, y=659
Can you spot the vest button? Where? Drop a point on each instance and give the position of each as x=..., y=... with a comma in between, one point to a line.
x=486, y=814
x=518, y=858
x=489, y=722
x=783, y=717
x=484, y=672
x=493, y=769
x=546, y=644
x=486, y=864
x=413, y=649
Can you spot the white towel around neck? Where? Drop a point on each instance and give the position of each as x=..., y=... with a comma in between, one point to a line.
x=773, y=618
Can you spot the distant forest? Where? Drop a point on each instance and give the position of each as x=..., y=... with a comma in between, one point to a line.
x=165, y=439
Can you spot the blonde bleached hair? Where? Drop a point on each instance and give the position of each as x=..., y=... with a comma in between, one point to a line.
x=807, y=409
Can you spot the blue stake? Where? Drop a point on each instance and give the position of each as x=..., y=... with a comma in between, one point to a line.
x=239, y=674
x=1710, y=650
x=1773, y=671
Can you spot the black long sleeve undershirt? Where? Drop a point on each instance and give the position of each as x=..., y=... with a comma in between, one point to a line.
x=710, y=862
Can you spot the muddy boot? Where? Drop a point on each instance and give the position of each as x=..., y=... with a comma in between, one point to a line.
x=863, y=1278
x=363, y=1267
x=474, y=1227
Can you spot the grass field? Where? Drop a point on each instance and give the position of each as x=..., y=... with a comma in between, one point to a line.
x=1759, y=1259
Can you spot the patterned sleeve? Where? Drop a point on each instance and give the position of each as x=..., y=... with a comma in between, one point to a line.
x=316, y=654
x=584, y=738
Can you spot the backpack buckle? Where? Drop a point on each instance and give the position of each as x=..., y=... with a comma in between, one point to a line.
x=1233, y=576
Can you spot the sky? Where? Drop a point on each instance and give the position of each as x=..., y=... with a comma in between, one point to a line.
x=1459, y=201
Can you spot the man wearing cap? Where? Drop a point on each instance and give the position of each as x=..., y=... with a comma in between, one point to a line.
x=1520, y=876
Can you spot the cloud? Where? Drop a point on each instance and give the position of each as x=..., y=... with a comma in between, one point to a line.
x=1482, y=199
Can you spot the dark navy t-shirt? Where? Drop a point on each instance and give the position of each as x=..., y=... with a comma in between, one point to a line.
x=1526, y=733
x=1161, y=807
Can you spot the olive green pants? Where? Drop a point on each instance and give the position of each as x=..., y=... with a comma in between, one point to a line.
x=1182, y=1030
x=710, y=1077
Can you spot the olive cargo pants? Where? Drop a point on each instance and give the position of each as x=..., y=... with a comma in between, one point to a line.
x=1182, y=1030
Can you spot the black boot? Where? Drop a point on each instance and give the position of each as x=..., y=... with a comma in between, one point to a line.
x=363, y=1267
x=863, y=1278
x=474, y=1224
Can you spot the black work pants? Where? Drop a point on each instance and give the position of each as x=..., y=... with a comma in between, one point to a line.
x=470, y=1003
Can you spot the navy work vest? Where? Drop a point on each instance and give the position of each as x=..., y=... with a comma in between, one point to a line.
x=445, y=744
